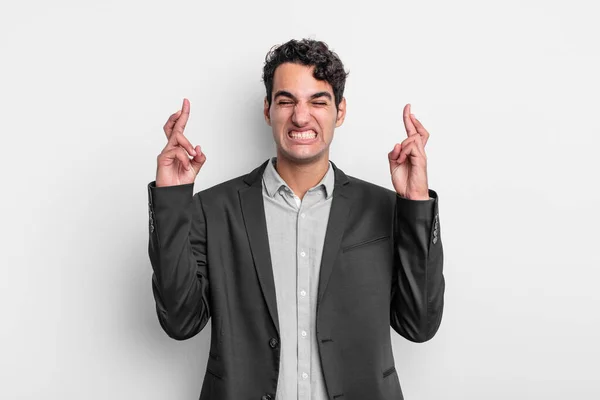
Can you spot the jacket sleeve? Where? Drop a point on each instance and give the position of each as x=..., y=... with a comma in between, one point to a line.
x=177, y=250
x=418, y=286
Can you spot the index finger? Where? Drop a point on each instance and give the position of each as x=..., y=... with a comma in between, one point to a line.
x=408, y=124
x=183, y=118
x=168, y=128
x=421, y=129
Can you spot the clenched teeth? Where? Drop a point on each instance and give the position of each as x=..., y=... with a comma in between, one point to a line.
x=303, y=135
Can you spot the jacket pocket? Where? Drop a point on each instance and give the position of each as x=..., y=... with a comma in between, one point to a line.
x=365, y=243
x=215, y=366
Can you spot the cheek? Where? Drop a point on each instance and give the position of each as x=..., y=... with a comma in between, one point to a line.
x=327, y=120
x=279, y=118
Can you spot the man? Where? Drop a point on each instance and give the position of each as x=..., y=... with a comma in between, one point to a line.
x=302, y=268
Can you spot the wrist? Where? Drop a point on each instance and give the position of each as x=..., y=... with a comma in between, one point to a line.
x=416, y=196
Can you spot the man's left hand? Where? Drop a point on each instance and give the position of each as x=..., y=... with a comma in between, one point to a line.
x=408, y=161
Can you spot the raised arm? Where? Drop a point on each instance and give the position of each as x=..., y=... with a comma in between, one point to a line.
x=177, y=243
x=418, y=287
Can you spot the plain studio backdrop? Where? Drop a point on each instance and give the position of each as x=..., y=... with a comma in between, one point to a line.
x=508, y=90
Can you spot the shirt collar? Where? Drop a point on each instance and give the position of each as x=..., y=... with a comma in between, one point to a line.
x=272, y=181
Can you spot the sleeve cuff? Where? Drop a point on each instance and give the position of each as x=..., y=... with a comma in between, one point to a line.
x=417, y=209
x=169, y=196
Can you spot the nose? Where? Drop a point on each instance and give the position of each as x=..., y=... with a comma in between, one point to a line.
x=301, y=116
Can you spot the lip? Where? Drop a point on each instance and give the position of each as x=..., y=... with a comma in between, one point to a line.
x=302, y=130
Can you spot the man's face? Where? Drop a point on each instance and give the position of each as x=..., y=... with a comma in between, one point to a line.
x=302, y=115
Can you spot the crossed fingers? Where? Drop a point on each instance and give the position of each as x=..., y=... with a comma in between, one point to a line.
x=174, y=128
x=414, y=126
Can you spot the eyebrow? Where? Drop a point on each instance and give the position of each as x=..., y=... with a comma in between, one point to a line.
x=321, y=94
x=284, y=93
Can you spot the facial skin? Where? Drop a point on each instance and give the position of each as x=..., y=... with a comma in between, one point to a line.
x=302, y=105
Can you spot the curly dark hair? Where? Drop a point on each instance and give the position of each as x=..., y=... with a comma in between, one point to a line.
x=328, y=66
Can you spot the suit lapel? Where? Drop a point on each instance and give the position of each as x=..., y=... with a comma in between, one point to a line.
x=336, y=225
x=253, y=212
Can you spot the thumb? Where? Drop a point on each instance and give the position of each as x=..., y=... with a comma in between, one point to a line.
x=393, y=155
x=199, y=159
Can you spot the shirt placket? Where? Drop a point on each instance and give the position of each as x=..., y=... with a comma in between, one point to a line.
x=303, y=300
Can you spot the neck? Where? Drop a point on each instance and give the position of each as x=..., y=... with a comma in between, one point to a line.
x=301, y=177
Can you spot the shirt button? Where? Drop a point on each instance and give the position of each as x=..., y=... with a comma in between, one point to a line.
x=303, y=254
x=302, y=215
x=303, y=333
x=304, y=375
x=267, y=397
x=303, y=293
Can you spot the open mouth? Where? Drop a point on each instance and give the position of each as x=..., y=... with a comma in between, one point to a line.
x=302, y=135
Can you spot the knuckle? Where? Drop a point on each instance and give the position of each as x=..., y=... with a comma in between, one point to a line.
x=175, y=138
x=162, y=156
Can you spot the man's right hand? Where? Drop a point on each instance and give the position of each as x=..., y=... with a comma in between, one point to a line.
x=174, y=164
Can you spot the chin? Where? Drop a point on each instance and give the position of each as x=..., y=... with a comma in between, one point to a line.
x=302, y=157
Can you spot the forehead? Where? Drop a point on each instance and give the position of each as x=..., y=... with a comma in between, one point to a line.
x=298, y=79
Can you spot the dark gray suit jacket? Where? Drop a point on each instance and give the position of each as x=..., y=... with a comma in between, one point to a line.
x=381, y=267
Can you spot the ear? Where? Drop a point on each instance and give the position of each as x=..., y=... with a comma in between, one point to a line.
x=266, y=112
x=341, y=113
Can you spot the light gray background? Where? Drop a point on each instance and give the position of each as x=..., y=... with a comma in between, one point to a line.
x=509, y=91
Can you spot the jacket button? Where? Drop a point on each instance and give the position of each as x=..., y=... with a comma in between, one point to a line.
x=273, y=343
x=267, y=397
